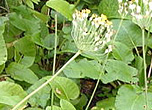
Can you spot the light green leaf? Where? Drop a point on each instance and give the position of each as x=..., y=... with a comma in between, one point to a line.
x=129, y=34
x=10, y=93
x=3, y=49
x=36, y=1
x=83, y=68
x=118, y=70
x=109, y=8
x=30, y=3
x=122, y=52
x=65, y=105
x=41, y=97
x=53, y=108
x=64, y=88
x=62, y=7
x=106, y=104
x=131, y=97
x=21, y=73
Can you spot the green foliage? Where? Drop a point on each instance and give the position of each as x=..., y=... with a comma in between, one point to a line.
x=62, y=7
x=27, y=39
x=118, y=70
x=21, y=73
x=109, y=8
x=106, y=104
x=134, y=98
x=38, y=99
x=11, y=94
x=65, y=88
x=3, y=49
x=83, y=68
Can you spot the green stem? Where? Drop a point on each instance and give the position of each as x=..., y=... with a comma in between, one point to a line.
x=54, y=59
x=93, y=93
x=145, y=74
x=103, y=68
x=118, y=29
x=47, y=82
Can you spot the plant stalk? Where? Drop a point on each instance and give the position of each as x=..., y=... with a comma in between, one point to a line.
x=54, y=59
x=103, y=67
x=47, y=82
x=145, y=73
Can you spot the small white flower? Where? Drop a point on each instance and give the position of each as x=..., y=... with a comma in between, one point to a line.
x=132, y=6
x=139, y=17
x=150, y=6
x=138, y=9
x=109, y=49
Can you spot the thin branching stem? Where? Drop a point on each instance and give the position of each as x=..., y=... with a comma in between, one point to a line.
x=54, y=59
x=47, y=82
x=96, y=86
x=145, y=73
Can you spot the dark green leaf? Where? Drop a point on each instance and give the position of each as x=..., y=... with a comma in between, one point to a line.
x=118, y=70
x=21, y=73
x=109, y=8
x=122, y=52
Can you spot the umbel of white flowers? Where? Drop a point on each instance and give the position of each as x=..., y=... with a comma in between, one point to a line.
x=141, y=11
x=91, y=33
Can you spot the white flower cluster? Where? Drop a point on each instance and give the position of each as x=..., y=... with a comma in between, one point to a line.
x=91, y=33
x=141, y=11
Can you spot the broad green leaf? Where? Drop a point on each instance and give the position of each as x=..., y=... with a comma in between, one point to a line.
x=41, y=16
x=10, y=94
x=118, y=70
x=53, y=108
x=3, y=49
x=109, y=8
x=41, y=97
x=129, y=33
x=64, y=88
x=21, y=73
x=11, y=32
x=106, y=104
x=47, y=42
x=131, y=97
x=23, y=19
x=62, y=7
x=27, y=48
x=65, y=105
x=122, y=52
x=83, y=68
